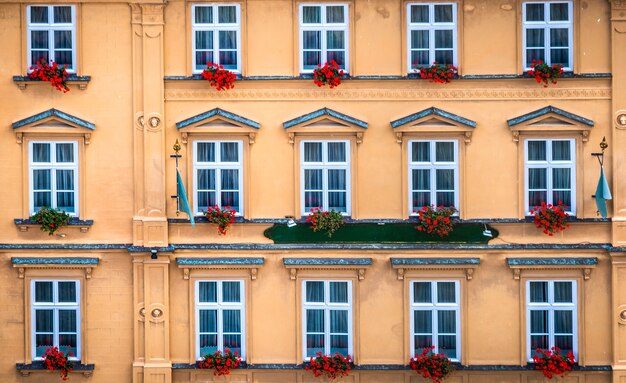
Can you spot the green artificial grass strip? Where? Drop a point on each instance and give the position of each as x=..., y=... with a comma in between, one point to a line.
x=374, y=233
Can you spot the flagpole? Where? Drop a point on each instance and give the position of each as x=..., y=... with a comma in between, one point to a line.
x=176, y=148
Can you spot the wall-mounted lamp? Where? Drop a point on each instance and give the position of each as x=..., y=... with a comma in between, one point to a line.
x=153, y=254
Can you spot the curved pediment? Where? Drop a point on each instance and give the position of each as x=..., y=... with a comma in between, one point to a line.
x=550, y=119
x=218, y=121
x=55, y=122
x=433, y=120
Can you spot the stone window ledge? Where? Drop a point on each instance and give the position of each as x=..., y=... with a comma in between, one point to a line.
x=83, y=225
x=81, y=81
x=37, y=367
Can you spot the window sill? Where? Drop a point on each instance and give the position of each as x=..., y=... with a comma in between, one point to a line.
x=23, y=81
x=394, y=367
x=202, y=219
x=83, y=225
x=37, y=366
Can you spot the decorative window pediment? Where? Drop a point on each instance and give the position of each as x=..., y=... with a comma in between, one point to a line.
x=357, y=264
x=433, y=120
x=585, y=265
x=23, y=263
x=550, y=120
x=468, y=265
x=325, y=121
x=218, y=121
x=242, y=263
x=53, y=122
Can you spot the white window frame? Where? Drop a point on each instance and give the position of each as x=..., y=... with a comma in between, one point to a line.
x=431, y=26
x=215, y=27
x=323, y=27
x=546, y=26
x=325, y=166
x=551, y=306
x=549, y=165
x=55, y=306
x=433, y=166
x=220, y=306
x=51, y=26
x=218, y=166
x=434, y=307
x=327, y=306
x=53, y=165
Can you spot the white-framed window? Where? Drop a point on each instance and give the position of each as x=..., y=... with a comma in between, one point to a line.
x=325, y=175
x=216, y=36
x=433, y=173
x=220, y=317
x=550, y=172
x=548, y=33
x=436, y=317
x=326, y=317
x=53, y=173
x=551, y=316
x=432, y=34
x=55, y=317
x=323, y=35
x=51, y=34
x=218, y=175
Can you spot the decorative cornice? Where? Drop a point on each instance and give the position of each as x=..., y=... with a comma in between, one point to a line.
x=229, y=263
x=586, y=264
x=468, y=265
x=174, y=94
x=357, y=264
x=23, y=263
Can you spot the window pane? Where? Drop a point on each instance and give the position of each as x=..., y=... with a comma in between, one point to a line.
x=42, y=343
x=445, y=199
x=539, y=321
x=231, y=292
x=63, y=58
x=335, y=40
x=314, y=343
x=339, y=321
x=421, y=342
x=62, y=15
x=204, y=40
x=561, y=151
x=444, y=56
x=563, y=292
x=313, y=179
x=535, y=198
x=338, y=292
x=207, y=291
x=534, y=12
x=537, y=179
x=336, y=152
x=228, y=59
x=312, y=152
x=202, y=58
x=229, y=180
x=447, y=345
x=563, y=322
x=42, y=199
x=336, y=179
x=39, y=15
x=420, y=152
x=538, y=292
x=41, y=179
x=67, y=292
x=312, y=15
x=208, y=344
x=43, y=292
x=315, y=291
x=229, y=151
x=65, y=201
x=419, y=13
x=422, y=292
x=563, y=196
x=65, y=179
x=36, y=56
x=339, y=343
x=443, y=39
x=534, y=38
x=419, y=58
x=422, y=321
x=444, y=151
x=227, y=14
x=559, y=12
x=208, y=321
x=443, y=13
x=539, y=341
x=312, y=40
x=206, y=152
x=232, y=320
x=446, y=321
x=445, y=179
x=337, y=201
x=419, y=39
x=230, y=199
x=420, y=199
x=233, y=342
x=206, y=179
x=535, y=54
x=338, y=56
x=204, y=15
x=67, y=343
x=67, y=321
x=41, y=152
x=311, y=59
x=44, y=320
x=446, y=292
x=561, y=178
x=565, y=343
x=421, y=179
x=228, y=39
x=559, y=37
x=560, y=56
x=314, y=320
x=312, y=200
x=63, y=39
x=335, y=14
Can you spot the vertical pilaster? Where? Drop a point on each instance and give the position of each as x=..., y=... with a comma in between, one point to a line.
x=150, y=221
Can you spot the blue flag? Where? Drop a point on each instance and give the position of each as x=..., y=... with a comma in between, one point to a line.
x=602, y=193
x=182, y=198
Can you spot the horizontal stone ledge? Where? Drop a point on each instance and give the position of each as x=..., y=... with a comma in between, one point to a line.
x=394, y=367
x=561, y=261
x=81, y=81
x=54, y=261
x=37, y=366
x=25, y=224
x=434, y=261
x=220, y=261
x=327, y=261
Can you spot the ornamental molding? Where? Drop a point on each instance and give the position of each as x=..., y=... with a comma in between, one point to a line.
x=387, y=94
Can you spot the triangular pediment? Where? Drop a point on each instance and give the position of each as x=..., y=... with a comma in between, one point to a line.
x=53, y=122
x=551, y=120
x=326, y=123
x=433, y=120
x=324, y=118
x=215, y=119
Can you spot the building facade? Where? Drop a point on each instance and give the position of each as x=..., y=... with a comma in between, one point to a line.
x=140, y=294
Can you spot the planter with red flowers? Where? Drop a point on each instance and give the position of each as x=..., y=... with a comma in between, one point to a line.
x=551, y=363
x=330, y=367
x=436, y=221
x=429, y=365
x=218, y=77
x=544, y=73
x=438, y=73
x=329, y=74
x=322, y=220
x=53, y=359
x=220, y=362
x=550, y=218
x=223, y=218
x=50, y=220
x=53, y=73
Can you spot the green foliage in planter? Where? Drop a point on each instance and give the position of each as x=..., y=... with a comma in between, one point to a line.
x=50, y=219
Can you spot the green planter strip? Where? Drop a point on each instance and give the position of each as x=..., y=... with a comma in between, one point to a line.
x=375, y=233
